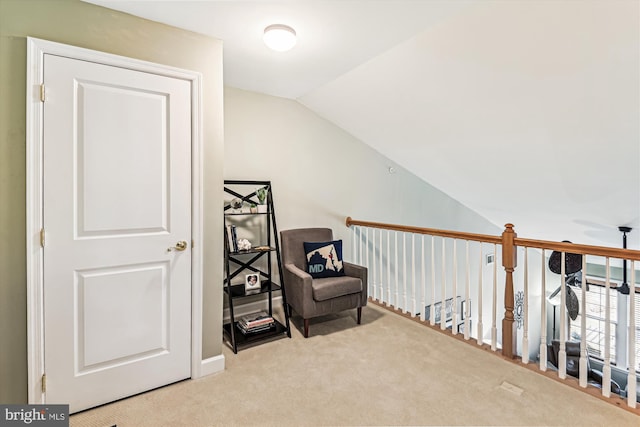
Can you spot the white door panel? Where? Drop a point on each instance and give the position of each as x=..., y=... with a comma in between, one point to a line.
x=117, y=195
x=122, y=136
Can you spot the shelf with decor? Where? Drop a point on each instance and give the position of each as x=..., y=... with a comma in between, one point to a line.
x=250, y=267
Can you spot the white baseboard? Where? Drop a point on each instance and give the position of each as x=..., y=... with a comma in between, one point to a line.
x=251, y=307
x=212, y=365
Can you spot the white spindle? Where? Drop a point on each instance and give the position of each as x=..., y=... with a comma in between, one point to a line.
x=631, y=377
x=454, y=309
x=380, y=269
x=413, y=275
x=562, y=354
x=396, y=301
x=606, y=369
x=388, y=267
x=360, y=251
x=443, y=323
x=543, y=314
x=494, y=308
x=479, y=311
x=366, y=258
x=467, y=294
x=423, y=304
x=354, y=252
x=583, y=325
x=432, y=314
x=404, y=273
x=525, y=310
x=373, y=265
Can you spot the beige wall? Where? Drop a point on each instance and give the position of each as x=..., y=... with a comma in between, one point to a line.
x=321, y=174
x=75, y=23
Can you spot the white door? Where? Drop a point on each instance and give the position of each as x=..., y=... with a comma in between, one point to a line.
x=117, y=196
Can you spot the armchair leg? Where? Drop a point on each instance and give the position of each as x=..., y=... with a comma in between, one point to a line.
x=306, y=328
x=359, y=315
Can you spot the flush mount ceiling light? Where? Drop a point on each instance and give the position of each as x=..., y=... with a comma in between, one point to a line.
x=279, y=37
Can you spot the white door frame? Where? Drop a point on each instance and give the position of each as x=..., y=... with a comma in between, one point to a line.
x=36, y=49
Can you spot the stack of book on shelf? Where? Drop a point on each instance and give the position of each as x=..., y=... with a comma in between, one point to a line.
x=232, y=238
x=256, y=322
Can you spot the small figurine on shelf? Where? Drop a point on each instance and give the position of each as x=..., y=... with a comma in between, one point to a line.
x=262, y=198
x=244, y=245
x=236, y=205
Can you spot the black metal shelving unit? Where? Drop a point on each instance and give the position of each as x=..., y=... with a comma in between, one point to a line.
x=246, y=261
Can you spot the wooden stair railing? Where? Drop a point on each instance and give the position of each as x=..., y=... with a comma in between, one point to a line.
x=509, y=241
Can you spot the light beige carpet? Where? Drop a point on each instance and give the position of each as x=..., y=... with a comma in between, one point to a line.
x=388, y=371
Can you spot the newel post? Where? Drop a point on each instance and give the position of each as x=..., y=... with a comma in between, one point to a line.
x=509, y=262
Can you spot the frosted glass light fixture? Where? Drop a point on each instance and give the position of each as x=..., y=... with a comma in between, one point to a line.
x=279, y=37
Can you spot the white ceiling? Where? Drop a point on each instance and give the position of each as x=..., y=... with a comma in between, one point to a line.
x=526, y=111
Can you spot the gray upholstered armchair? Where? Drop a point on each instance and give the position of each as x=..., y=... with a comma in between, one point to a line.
x=311, y=297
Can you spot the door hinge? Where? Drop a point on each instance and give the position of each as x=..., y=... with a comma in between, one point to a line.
x=44, y=383
x=42, y=94
x=42, y=241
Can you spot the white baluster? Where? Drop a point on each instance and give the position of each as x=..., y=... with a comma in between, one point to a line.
x=543, y=314
x=413, y=275
x=443, y=323
x=397, y=299
x=631, y=376
x=361, y=239
x=606, y=369
x=480, y=326
x=381, y=269
x=494, y=308
x=525, y=309
x=354, y=251
x=432, y=314
x=388, y=267
x=562, y=354
x=467, y=295
x=423, y=304
x=404, y=273
x=583, y=326
x=373, y=265
x=454, y=309
x=366, y=257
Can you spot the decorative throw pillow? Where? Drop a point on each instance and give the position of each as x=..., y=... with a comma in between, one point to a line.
x=324, y=259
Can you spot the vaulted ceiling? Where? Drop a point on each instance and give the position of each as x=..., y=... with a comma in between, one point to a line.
x=526, y=111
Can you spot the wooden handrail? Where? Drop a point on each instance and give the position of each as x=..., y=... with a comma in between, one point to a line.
x=486, y=238
x=628, y=254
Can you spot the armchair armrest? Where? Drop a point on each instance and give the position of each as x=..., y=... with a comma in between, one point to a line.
x=298, y=273
x=355, y=270
x=297, y=283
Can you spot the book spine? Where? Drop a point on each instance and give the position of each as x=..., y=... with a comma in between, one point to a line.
x=235, y=238
x=229, y=238
x=258, y=322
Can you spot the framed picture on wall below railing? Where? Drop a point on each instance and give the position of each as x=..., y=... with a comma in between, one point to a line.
x=448, y=310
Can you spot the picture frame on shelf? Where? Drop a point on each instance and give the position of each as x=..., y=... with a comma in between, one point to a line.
x=252, y=283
